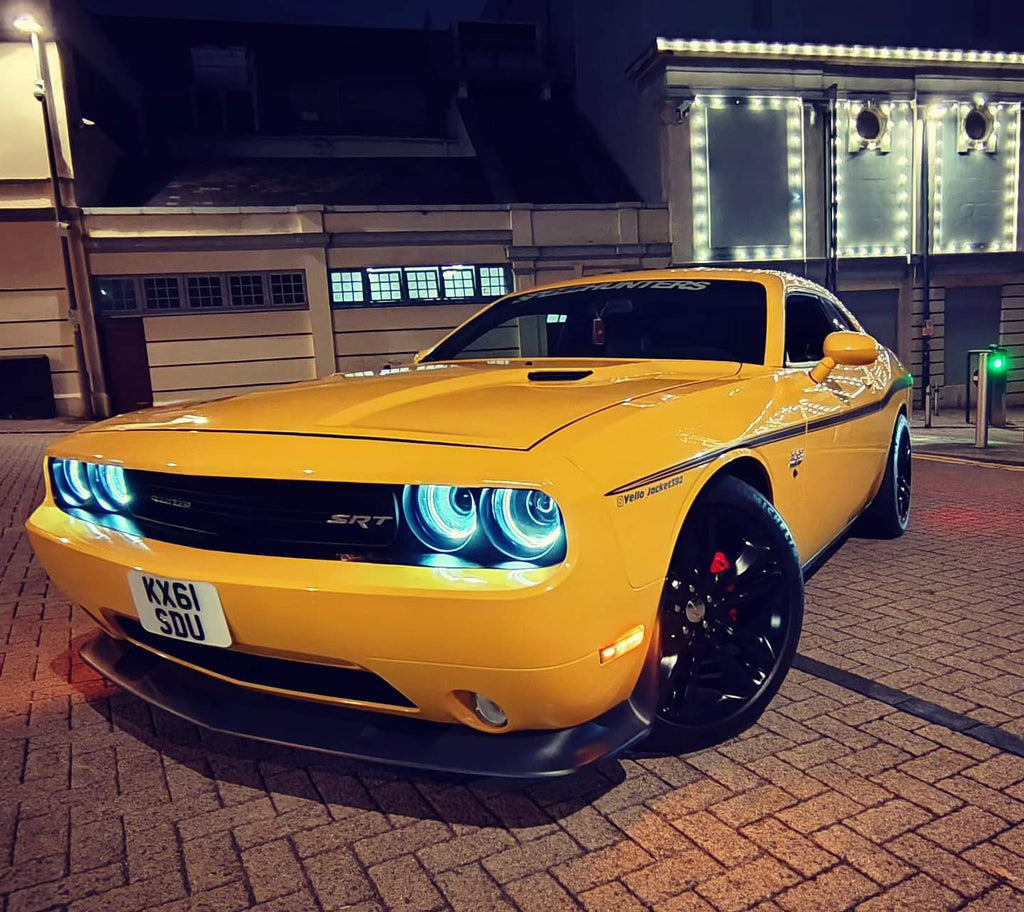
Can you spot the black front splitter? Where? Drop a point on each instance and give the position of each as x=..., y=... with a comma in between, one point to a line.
x=362, y=735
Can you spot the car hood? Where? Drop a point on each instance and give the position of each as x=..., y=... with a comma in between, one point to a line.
x=512, y=405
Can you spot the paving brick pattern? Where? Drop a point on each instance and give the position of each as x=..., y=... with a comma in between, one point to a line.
x=939, y=613
x=832, y=802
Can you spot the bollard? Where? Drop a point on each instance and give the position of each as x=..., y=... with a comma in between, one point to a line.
x=928, y=406
x=981, y=421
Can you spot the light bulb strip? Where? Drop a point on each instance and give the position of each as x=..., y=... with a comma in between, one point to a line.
x=902, y=122
x=861, y=54
x=1007, y=126
x=701, y=176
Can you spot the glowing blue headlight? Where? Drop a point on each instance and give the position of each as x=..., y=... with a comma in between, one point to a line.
x=523, y=524
x=86, y=484
x=108, y=486
x=443, y=517
x=71, y=478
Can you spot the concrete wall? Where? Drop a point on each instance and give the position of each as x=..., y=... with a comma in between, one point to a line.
x=205, y=356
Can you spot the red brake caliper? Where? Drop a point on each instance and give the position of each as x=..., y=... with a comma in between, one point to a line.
x=719, y=564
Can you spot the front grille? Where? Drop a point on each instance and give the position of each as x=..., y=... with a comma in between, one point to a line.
x=316, y=519
x=285, y=674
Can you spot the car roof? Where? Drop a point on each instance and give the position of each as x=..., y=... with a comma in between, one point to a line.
x=742, y=274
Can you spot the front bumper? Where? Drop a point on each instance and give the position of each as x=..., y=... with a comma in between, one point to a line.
x=528, y=640
x=403, y=741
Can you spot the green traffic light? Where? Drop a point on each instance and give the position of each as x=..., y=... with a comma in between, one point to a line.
x=997, y=363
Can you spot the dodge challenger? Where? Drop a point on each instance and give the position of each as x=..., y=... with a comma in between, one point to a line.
x=581, y=520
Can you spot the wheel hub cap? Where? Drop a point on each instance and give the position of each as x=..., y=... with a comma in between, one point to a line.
x=694, y=612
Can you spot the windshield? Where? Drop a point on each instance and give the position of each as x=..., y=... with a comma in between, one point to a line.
x=700, y=320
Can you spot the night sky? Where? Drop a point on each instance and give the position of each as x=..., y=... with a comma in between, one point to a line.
x=365, y=13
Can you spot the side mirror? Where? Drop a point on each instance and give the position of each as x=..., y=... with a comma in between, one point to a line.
x=850, y=348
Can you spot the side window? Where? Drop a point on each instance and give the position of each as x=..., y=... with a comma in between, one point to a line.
x=839, y=321
x=807, y=324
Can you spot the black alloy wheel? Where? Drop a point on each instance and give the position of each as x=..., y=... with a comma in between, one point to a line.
x=888, y=515
x=730, y=617
x=903, y=470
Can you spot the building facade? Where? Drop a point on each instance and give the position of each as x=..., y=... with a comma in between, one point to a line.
x=267, y=228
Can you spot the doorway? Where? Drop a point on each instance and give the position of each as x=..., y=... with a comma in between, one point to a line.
x=126, y=364
x=971, y=321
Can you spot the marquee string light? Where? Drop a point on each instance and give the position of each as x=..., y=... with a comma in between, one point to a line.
x=901, y=123
x=701, y=177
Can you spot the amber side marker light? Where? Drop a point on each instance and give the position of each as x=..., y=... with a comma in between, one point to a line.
x=623, y=645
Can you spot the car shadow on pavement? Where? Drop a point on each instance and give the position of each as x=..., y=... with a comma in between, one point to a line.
x=237, y=768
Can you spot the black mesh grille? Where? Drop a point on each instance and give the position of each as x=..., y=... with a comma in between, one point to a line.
x=301, y=677
x=316, y=519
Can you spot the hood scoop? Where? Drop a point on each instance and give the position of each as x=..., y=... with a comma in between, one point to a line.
x=557, y=376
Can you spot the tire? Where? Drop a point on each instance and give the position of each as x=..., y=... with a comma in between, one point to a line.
x=729, y=618
x=888, y=515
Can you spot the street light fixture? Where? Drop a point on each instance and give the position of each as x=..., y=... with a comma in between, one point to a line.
x=27, y=24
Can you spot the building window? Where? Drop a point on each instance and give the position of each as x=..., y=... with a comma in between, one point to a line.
x=247, y=290
x=347, y=287
x=493, y=281
x=423, y=283
x=418, y=284
x=116, y=295
x=458, y=282
x=162, y=292
x=208, y=292
x=385, y=285
x=287, y=289
x=204, y=291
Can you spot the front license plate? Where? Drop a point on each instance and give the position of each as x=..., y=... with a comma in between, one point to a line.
x=180, y=609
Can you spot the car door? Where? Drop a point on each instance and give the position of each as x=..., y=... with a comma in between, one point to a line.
x=829, y=475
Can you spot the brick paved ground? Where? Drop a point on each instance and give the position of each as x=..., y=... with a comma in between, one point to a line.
x=833, y=802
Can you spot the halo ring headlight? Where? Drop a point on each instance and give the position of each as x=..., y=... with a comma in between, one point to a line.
x=115, y=487
x=521, y=523
x=99, y=488
x=76, y=481
x=442, y=517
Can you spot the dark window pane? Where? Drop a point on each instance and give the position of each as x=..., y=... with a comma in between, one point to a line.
x=246, y=290
x=287, y=288
x=807, y=324
x=204, y=291
x=116, y=295
x=162, y=292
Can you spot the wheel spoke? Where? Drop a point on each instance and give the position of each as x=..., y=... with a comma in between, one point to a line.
x=756, y=648
x=740, y=682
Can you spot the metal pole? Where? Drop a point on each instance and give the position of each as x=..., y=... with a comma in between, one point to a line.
x=967, y=390
x=42, y=94
x=926, y=291
x=981, y=424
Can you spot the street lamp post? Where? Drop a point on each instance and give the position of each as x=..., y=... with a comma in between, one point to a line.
x=29, y=25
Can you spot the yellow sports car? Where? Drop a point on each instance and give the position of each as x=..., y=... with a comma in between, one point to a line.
x=583, y=518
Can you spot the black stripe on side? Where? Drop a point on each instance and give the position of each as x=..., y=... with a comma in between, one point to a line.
x=765, y=439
